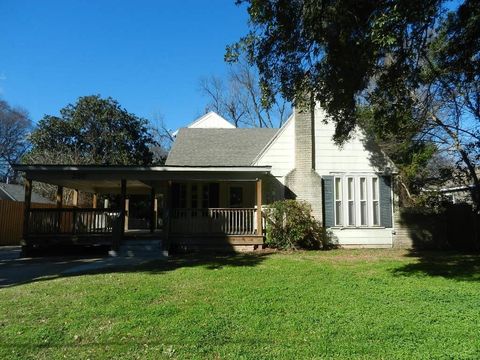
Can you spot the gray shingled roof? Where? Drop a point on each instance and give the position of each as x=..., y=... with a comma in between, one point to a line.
x=17, y=193
x=218, y=147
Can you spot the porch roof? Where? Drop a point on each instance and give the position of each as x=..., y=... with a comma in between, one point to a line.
x=140, y=179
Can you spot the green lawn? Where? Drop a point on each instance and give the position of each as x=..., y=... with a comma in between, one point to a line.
x=360, y=304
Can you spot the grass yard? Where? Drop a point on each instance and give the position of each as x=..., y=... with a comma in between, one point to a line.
x=345, y=304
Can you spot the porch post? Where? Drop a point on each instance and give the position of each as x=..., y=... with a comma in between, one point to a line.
x=59, y=206
x=74, y=213
x=94, y=201
x=259, y=208
x=59, y=196
x=127, y=209
x=26, y=206
x=123, y=206
x=167, y=214
x=75, y=198
x=153, y=210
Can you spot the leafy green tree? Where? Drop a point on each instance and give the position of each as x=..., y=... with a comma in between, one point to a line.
x=335, y=48
x=404, y=70
x=92, y=131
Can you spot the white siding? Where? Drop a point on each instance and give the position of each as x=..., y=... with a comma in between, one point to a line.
x=352, y=157
x=363, y=237
x=280, y=152
x=212, y=121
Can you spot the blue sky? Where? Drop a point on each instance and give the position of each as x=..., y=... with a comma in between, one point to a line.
x=149, y=55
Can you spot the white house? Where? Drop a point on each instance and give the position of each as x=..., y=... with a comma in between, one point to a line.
x=214, y=183
x=349, y=188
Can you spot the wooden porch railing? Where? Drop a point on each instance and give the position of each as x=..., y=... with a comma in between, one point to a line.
x=227, y=221
x=71, y=221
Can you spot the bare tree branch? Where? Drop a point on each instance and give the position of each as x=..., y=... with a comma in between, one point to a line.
x=238, y=98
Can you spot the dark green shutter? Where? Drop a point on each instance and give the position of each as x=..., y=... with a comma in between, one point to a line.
x=328, y=201
x=385, y=190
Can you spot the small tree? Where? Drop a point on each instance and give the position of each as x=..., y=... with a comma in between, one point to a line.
x=291, y=226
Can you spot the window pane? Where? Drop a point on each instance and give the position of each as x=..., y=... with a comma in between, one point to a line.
x=363, y=213
x=363, y=188
x=338, y=188
x=376, y=220
x=205, y=196
x=194, y=199
x=374, y=188
x=350, y=189
x=236, y=196
x=338, y=213
x=351, y=213
x=183, y=195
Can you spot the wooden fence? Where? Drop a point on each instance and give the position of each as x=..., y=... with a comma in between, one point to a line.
x=11, y=221
x=456, y=227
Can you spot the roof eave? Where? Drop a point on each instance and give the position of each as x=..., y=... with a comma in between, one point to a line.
x=123, y=168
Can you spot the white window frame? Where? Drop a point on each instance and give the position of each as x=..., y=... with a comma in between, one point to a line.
x=375, y=189
x=350, y=199
x=344, y=221
x=363, y=201
x=338, y=220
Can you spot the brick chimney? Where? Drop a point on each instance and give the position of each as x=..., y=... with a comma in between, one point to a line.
x=303, y=182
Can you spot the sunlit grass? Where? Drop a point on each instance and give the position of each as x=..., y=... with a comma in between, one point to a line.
x=364, y=304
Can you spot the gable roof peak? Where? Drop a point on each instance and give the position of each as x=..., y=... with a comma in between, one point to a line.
x=210, y=120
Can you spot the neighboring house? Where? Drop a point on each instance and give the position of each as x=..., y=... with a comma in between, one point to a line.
x=458, y=194
x=210, y=120
x=349, y=188
x=16, y=192
x=215, y=179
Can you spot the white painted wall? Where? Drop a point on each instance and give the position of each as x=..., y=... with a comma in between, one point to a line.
x=280, y=153
x=352, y=157
x=210, y=120
x=363, y=237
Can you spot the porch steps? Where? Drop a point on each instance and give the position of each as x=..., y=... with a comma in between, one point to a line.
x=151, y=249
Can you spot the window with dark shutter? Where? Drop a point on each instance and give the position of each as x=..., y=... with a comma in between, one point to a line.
x=385, y=192
x=328, y=201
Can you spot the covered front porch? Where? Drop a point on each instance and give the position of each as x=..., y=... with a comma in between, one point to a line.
x=184, y=207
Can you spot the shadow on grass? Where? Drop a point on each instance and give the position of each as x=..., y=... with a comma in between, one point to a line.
x=17, y=271
x=449, y=265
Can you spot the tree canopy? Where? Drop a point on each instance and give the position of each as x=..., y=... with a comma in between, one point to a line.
x=406, y=71
x=94, y=130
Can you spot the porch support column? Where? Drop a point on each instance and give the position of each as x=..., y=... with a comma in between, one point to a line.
x=127, y=209
x=75, y=198
x=123, y=205
x=94, y=201
x=153, y=210
x=259, y=208
x=26, y=206
x=59, y=196
x=167, y=214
